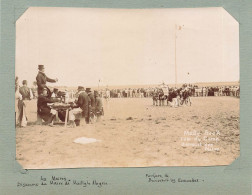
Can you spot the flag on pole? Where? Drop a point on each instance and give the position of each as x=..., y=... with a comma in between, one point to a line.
x=180, y=27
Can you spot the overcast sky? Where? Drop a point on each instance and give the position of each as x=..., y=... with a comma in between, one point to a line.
x=81, y=46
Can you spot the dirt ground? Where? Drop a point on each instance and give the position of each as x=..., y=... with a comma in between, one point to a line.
x=134, y=133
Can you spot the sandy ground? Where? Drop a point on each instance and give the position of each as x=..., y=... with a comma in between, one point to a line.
x=154, y=136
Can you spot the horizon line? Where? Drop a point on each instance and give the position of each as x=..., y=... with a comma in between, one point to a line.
x=172, y=84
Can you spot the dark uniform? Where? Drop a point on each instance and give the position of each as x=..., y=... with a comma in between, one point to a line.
x=92, y=100
x=83, y=103
x=41, y=82
x=91, y=104
x=25, y=92
x=43, y=109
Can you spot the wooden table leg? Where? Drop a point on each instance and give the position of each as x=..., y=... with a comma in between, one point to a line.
x=57, y=117
x=66, y=117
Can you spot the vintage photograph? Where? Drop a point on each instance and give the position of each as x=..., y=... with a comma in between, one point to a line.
x=126, y=87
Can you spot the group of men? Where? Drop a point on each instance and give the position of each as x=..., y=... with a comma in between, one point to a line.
x=126, y=93
x=87, y=105
x=216, y=91
x=173, y=96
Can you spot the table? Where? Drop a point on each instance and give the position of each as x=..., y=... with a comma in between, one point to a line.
x=61, y=106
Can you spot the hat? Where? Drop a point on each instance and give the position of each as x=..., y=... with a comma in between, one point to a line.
x=80, y=88
x=96, y=93
x=41, y=67
x=88, y=90
x=24, y=82
x=55, y=90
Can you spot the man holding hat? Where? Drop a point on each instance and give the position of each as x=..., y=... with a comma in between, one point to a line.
x=42, y=79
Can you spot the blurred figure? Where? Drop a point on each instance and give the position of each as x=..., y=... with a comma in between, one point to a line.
x=98, y=106
x=55, y=93
x=20, y=114
x=107, y=94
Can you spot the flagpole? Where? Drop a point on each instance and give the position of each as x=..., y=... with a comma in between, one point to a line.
x=175, y=56
x=99, y=85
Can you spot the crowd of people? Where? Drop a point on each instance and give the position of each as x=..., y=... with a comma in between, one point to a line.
x=195, y=90
x=54, y=105
x=88, y=104
x=126, y=93
x=171, y=95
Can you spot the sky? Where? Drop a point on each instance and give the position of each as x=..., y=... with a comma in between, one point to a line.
x=82, y=46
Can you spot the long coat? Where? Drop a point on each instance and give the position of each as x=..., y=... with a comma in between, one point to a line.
x=98, y=104
x=25, y=92
x=43, y=109
x=41, y=81
x=92, y=99
x=83, y=103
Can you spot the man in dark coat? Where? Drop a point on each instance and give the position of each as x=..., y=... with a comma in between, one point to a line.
x=83, y=101
x=91, y=106
x=44, y=111
x=42, y=79
x=41, y=82
x=81, y=107
x=25, y=91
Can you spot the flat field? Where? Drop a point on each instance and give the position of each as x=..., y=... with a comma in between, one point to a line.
x=134, y=133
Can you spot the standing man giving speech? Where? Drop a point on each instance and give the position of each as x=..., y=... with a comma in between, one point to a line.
x=41, y=82
x=42, y=79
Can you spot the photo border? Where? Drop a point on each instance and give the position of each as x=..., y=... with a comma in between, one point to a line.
x=232, y=179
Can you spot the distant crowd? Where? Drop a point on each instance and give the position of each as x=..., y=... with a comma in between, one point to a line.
x=71, y=106
x=195, y=91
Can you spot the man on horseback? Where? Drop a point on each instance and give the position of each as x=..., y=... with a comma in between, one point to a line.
x=186, y=93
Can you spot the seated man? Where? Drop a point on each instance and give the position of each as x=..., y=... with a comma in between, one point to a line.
x=80, y=108
x=45, y=112
x=55, y=93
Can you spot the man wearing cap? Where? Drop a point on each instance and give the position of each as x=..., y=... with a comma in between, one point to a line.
x=25, y=91
x=42, y=79
x=81, y=106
